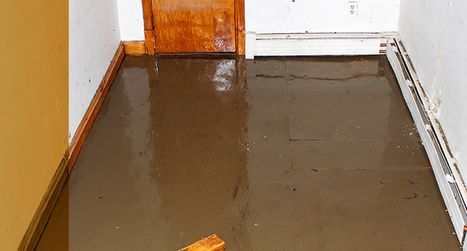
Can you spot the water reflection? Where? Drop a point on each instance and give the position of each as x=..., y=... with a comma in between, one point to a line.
x=199, y=116
x=271, y=154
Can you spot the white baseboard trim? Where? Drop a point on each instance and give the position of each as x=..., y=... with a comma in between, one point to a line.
x=315, y=44
x=433, y=143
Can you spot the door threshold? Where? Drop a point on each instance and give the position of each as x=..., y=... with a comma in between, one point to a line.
x=204, y=55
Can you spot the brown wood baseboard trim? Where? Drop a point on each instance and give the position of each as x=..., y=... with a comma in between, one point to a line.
x=94, y=107
x=135, y=48
x=43, y=212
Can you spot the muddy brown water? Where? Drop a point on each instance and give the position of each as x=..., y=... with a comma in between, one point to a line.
x=271, y=154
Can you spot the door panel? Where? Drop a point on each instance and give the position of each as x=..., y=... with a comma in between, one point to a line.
x=194, y=25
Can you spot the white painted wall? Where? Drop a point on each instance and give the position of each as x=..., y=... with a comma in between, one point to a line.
x=435, y=35
x=289, y=16
x=130, y=14
x=94, y=37
x=316, y=17
x=293, y=16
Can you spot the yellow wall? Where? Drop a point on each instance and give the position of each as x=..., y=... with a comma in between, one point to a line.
x=33, y=108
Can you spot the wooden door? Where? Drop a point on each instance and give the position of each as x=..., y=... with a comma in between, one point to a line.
x=183, y=26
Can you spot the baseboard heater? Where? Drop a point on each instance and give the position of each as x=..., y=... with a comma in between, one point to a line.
x=316, y=44
x=445, y=177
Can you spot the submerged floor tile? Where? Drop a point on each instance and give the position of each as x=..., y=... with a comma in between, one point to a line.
x=270, y=154
x=358, y=154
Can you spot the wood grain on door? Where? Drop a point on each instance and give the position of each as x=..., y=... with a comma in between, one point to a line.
x=183, y=26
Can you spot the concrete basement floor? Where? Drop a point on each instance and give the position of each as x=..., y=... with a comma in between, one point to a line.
x=271, y=154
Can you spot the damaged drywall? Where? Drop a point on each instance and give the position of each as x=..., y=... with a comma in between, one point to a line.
x=440, y=59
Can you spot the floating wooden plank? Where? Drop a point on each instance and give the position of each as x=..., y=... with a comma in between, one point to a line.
x=210, y=243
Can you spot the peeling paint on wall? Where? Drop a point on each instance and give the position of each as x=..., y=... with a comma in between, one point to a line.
x=436, y=45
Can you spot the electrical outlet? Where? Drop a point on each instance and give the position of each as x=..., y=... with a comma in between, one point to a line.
x=352, y=7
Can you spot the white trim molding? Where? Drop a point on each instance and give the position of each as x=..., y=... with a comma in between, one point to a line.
x=449, y=180
x=316, y=44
